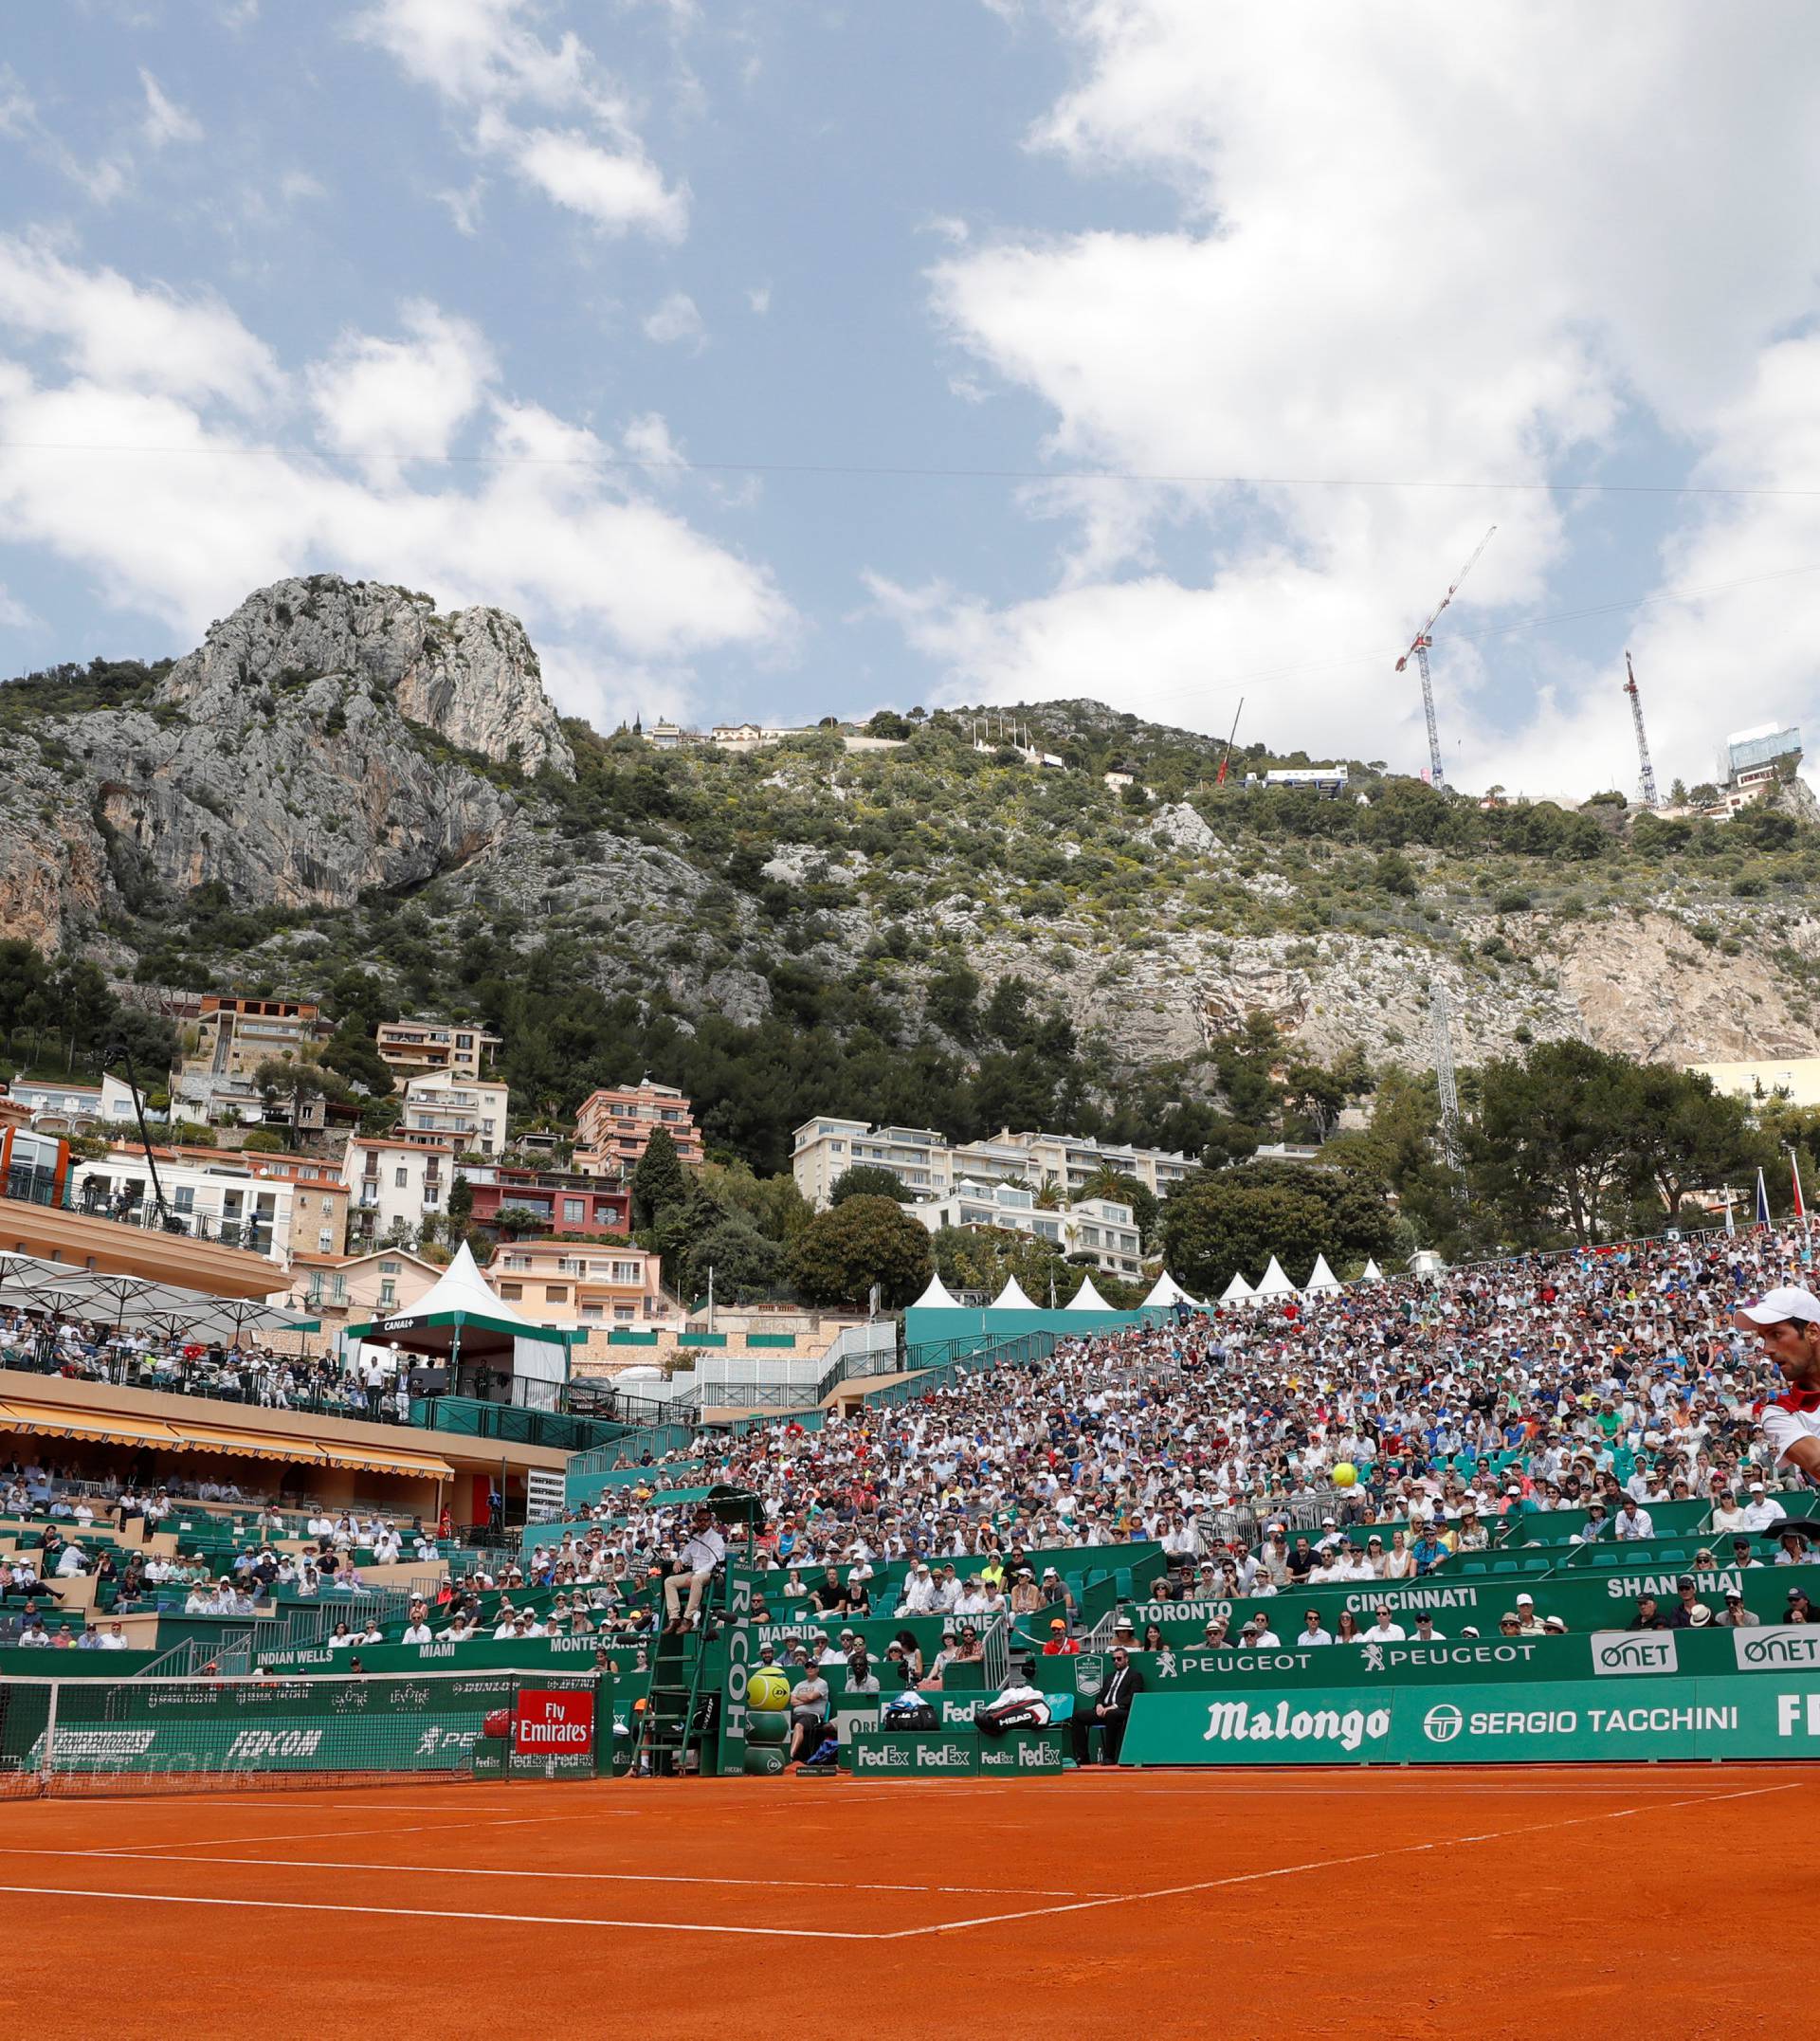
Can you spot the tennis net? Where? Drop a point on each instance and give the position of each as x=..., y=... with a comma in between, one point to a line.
x=98, y=1736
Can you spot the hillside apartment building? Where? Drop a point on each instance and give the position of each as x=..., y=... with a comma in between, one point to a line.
x=1097, y=1226
x=278, y=1205
x=614, y=1127
x=560, y=1283
x=234, y=1035
x=470, y=1111
x=930, y=1166
x=394, y=1179
x=458, y=1049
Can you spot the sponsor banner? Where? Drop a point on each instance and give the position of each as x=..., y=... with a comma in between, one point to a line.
x=1790, y=1645
x=553, y=1724
x=1024, y=1751
x=1585, y=1598
x=914, y=1753
x=1554, y=1723
x=1628, y=1652
x=301, y=1725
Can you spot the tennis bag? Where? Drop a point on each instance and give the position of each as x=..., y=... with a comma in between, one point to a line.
x=909, y=1710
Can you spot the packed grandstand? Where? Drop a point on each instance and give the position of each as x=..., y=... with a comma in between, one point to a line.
x=1509, y=1473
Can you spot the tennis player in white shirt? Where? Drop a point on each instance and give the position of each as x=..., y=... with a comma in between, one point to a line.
x=1787, y=1324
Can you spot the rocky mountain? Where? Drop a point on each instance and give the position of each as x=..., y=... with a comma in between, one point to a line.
x=291, y=759
x=262, y=813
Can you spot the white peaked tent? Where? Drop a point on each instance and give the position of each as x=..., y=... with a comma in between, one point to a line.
x=1012, y=1298
x=936, y=1298
x=1373, y=1273
x=462, y=1288
x=1165, y=1292
x=474, y=1341
x=1087, y=1299
x=1324, y=1276
x=1275, y=1283
x=1238, y=1291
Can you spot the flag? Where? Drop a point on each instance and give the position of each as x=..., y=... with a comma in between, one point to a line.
x=1800, y=1203
x=1762, y=1201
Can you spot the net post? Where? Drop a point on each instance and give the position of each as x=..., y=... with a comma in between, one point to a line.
x=47, y=1762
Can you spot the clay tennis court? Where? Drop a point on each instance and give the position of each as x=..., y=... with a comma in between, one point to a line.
x=1568, y=1904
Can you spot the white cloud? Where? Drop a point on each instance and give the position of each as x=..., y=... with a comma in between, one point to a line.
x=14, y=615
x=486, y=64
x=758, y=298
x=385, y=401
x=676, y=322
x=618, y=192
x=648, y=440
x=165, y=120
x=178, y=503
x=1469, y=279
x=124, y=337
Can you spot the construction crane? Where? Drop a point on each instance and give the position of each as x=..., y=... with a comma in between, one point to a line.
x=1452, y=1153
x=1647, y=773
x=1419, y=651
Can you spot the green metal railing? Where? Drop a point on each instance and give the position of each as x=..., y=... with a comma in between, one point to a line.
x=1024, y=1352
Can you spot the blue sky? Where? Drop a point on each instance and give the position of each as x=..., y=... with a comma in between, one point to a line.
x=398, y=287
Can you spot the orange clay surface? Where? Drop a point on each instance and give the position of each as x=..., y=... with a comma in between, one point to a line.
x=1561, y=1904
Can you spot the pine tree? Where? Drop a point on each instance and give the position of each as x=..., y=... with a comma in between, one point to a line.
x=658, y=1181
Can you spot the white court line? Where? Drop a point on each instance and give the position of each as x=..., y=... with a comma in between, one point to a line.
x=904, y=1934
x=631, y=1877
x=335, y=1835
x=445, y=1913
x=1326, y=1863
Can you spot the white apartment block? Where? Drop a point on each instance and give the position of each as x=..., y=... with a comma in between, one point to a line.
x=397, y=1181
x=228, y=1201
x=1096, y=1226
x=928, y=1165
x=471, y=1114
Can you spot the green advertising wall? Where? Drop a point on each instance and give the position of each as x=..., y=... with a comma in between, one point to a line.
x=1585, y=1599
x=1599, y=1654
x=1605, y=1722
x=189, y=1727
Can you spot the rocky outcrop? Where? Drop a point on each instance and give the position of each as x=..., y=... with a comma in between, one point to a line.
x=317, y=742
x=472, y=677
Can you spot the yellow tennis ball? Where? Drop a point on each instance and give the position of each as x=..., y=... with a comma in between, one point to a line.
x=1345, y=1474
x=767, y=1690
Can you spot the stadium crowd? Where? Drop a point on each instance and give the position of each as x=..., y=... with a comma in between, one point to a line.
x=1608, y=1378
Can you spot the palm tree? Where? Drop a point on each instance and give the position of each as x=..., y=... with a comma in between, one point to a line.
x=1103, y=1182
x=1049, y=1197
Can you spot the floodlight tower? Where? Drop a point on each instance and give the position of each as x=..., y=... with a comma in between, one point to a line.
x=1646, y=780
x=1419, y=651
